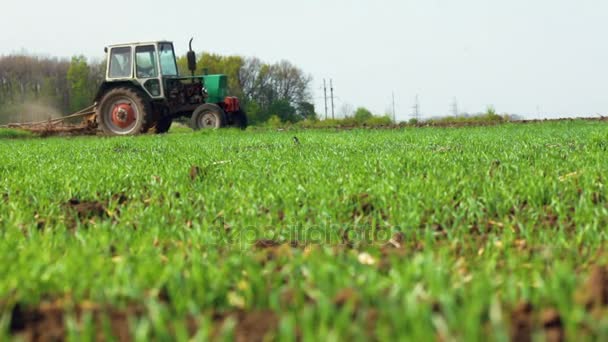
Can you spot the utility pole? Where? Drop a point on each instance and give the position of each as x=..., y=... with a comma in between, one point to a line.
x=331, y=85
x=394, y=112
x=325, y=94
x=416, y=109
x=455, y=107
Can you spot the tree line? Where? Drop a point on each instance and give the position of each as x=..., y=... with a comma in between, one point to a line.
x=46, y=85
x=55, y=86
x=280, y=89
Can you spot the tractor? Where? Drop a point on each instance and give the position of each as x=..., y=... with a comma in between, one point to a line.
x=144, y=92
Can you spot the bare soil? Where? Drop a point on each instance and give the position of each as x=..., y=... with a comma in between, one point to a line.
x=48, y=321
x=596, y=288
x=86, y=210
x=59, y=129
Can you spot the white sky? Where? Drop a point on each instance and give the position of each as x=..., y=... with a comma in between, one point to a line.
x=531, y=57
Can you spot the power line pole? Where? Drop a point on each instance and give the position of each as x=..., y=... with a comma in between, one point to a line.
x=455, y=108
x=394, y=112
x=325, y=94
x=416, y=109
x=331, y=85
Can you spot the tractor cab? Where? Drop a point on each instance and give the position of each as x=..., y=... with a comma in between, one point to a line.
x=148, y=64
x=148, y=72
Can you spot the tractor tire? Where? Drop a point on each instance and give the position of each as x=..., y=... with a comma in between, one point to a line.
x=239, y=119
x=123, y=111
x=163, y=125
x=208, y=116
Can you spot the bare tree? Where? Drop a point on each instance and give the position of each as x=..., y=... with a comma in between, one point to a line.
x=346, y=110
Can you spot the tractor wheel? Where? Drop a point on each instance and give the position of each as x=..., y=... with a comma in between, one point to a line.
x=239, y=119
x=208, y=116
x=123, y=111
x=163, y=125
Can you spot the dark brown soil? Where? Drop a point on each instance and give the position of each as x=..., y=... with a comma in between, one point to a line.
x=254, y=326
x=195, y=172
x=397, y=240
x=120, y=198
x=67, y=131
x=47, y=322
x=525, y=322
x=522, y=322
x=553, y=326
x=346, y=296
x=363, y=205
x=265, y=244
x=596, y=288
x=87, y=210
x=59, y=129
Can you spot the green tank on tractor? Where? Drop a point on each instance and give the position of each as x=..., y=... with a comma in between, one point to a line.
x=143, y=91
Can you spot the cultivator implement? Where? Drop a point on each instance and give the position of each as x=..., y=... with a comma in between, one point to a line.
x=67, y=125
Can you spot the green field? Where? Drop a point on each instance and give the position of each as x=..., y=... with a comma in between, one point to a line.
x=421, y=233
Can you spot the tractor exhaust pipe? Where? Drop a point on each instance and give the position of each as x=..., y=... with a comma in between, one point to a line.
x=191, y=59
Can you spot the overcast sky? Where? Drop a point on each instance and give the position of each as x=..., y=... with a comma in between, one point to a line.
x=531, y=57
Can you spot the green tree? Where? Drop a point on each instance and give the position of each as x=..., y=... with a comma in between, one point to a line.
x=209, y=63
x=490, y=111
x=306, y=111
x=280, y=89
x=255, y=114
x=274, y=121
x=78, y=87
x=362, y=114
x=284, y=110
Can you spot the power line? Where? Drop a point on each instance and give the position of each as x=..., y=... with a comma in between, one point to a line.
x=416, y=108
x=325, y=96
x=455, y=111
x=331, y=84
x=394, y=112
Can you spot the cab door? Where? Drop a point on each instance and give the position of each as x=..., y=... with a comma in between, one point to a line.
x=146, y=70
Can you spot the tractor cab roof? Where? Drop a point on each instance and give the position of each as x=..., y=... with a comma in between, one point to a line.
x=138, y=44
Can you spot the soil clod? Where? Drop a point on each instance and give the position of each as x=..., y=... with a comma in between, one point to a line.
x=47, y=322
x=120, y=198
x=522, y=322
x=363, y=205
x=255, y=326
x=553, y=326
x=195, y=172
x=345, y=296
x=265, y=244
x=596, y=288
x=87, y=209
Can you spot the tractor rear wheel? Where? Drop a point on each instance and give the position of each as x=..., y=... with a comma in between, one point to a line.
x=239, y=119
x=123, y=111
x=208, y=116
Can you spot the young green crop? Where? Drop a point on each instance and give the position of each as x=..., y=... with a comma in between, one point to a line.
x=406, y=234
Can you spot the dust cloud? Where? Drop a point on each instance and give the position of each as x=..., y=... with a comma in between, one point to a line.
x=28, y=112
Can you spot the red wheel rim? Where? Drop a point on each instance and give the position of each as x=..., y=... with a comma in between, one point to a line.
x=123, y=115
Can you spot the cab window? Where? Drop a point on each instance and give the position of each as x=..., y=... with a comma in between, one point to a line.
x=145, y=57
x=120, y=62
x=167, y=60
